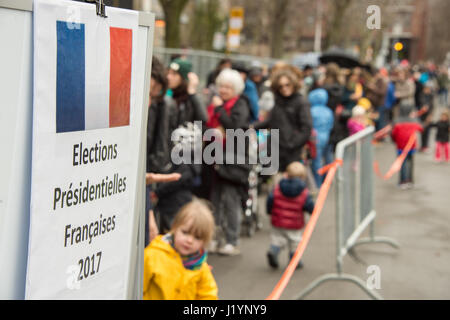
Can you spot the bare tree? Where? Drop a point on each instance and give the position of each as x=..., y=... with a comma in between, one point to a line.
x=337, y=10
x=172, y=13
x=256, y=24
x=279, y=10
x=438, y=36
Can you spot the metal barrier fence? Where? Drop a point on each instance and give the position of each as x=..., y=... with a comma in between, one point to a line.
x=354, y=206
x=203, y=62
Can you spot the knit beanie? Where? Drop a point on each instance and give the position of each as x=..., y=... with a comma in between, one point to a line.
x=358, y=111
x=405, y=111
x=404, y=114
x=183, y=67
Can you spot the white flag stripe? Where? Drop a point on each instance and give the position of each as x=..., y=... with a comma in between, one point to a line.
x=97, y=75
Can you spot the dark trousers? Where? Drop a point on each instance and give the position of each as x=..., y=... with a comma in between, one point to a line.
x=227, y=201
x=406, y=171
x=425, y=136
x=383, y=118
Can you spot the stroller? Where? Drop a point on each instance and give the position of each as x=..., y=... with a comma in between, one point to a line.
x=251, y=221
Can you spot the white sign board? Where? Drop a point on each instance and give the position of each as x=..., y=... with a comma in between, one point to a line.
x=86, y=128
x=15, y=140
x=236, y=23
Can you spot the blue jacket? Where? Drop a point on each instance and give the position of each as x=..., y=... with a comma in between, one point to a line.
x=291, y=188
x=390, y=96
x=252, y=94
x=322, y=116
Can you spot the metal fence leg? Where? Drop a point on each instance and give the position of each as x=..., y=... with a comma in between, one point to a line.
x=315, y=284
x=385, y=240
x=338, y=277
x=375, y=239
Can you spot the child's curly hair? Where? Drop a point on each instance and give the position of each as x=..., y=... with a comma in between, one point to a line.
x=293, y=77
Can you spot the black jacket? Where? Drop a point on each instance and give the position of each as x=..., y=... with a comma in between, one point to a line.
x=158, y=135
x=173, y=195
x=426, y=100
x=335, y=93
x=188, y=109
x=292, y=117
x=239, y=118
x=336, y=97
x=442, y=134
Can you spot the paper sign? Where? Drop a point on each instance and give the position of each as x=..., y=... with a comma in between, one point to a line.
x=85, y=151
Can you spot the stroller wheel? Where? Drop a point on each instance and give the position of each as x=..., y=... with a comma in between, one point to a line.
x=250, y=231
x=248, y=223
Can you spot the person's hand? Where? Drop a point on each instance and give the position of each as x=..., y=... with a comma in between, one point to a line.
x=158, y=177
x=374, y=115
x=355, y=97
x=217, y=101
x=192, y=83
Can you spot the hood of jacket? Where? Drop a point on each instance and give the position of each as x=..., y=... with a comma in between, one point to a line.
x=165, y=277
x=318, y=97
x=160, y=244
x=292, y=187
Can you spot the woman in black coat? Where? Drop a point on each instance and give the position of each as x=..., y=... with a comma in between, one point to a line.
x=335, y=90
x=228, y=110
x=291, y=115
x=183, y=84
x=158, y=138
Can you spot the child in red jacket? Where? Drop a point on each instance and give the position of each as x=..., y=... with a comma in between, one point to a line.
x=442, y=137
x=405, y=127
x=286, y=204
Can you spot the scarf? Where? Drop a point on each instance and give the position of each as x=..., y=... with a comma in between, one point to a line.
x=192, y=261
x=213, y=116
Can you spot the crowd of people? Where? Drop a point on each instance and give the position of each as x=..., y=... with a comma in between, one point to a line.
x=313, y=108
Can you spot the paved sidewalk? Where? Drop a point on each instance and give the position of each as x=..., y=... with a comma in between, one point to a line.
x=419, y=219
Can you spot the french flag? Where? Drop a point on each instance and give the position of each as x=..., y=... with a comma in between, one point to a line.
x=93, y=77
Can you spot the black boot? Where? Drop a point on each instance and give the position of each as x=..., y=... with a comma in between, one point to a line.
x=300, y=263
x=272, y=257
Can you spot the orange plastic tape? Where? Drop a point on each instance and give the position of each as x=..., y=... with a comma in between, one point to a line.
x=323, y=192
x=382, y=132
x=376, y=168
x=326, y=168
x=397, y=164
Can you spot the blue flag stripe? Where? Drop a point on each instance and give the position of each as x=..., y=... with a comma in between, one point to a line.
x=70, y=77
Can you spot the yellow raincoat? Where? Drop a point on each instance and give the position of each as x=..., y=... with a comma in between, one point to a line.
x=165, y=277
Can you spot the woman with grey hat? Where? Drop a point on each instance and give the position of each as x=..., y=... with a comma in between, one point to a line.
x=404, y=89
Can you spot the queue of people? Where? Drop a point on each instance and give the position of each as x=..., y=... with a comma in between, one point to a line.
x=313, y=109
